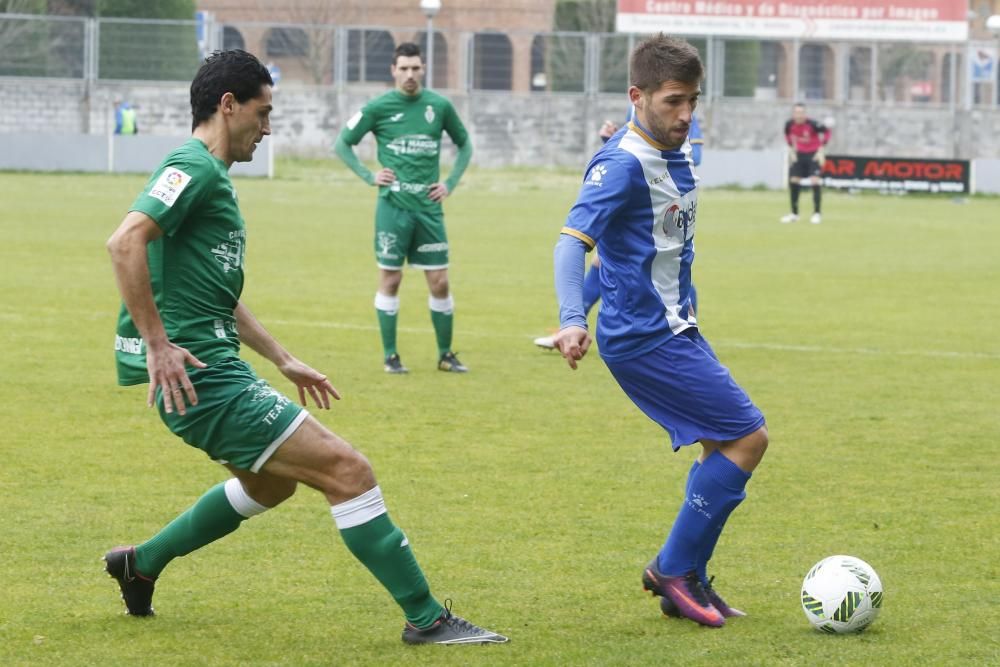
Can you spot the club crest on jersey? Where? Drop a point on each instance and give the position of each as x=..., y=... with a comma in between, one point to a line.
x=596, y=175
x=429, y=114
x=679, y=216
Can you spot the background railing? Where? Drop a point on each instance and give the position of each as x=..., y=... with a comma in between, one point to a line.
x=953, y=75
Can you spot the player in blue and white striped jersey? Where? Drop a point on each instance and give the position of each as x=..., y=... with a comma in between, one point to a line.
x=638, y=206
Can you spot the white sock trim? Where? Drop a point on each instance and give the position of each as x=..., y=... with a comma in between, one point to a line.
x=445, y=305
x=241, y=500
x=357, y=511
x=386, y=303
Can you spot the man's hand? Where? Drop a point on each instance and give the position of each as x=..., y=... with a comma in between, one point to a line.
x=573, y=343
x=820, y=157
x=438, y=192
x=167, y=364
x=308, y=379
x=385, y=176
x=607, y=130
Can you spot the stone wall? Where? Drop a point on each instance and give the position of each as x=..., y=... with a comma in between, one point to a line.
x=507, y=129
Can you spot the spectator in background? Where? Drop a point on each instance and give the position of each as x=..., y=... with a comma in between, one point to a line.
x=125, y=122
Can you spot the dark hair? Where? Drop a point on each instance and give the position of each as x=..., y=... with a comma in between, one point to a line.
x=407, y=50
x=236, y=72
x=663, y=58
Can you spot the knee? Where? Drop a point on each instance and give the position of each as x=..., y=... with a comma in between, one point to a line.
x=347, y=475
x=389, y=284
x=439, y=287
x=758, y=442
x=271, y=491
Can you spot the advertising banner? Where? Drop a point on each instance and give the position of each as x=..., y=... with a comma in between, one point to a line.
x=882, y=20
x=896, y=174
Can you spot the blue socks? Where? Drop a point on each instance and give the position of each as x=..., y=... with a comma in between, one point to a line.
x=714, y=489
x=591, y=288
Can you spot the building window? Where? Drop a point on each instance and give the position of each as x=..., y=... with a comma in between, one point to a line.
x=369, y=55
x=492, y=61
x=440, y=57
x=282, y=42
x=232, y=38
x=816, y=72
x=859, y=74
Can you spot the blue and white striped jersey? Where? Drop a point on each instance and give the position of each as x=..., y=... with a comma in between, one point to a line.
x=637, y=206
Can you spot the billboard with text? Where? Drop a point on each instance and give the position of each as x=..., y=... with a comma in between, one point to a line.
x=882, y=20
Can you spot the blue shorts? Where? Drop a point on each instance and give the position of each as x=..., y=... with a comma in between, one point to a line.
x=682, y=387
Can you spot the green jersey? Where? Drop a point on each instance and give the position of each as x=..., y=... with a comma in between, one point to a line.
x=407, y=129
x=196, y=267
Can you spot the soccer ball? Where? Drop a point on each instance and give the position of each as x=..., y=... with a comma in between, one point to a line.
x=841, y=594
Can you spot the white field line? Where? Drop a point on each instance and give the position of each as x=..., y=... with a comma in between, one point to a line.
x=16, y=317
x=741, y=345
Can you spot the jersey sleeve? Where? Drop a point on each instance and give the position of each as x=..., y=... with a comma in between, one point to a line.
x=605, y=191
x=452, y=124
x=174, y=191
x=358, y=125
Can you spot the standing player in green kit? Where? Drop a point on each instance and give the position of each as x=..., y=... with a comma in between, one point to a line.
x=407, y=123
x=178, y=258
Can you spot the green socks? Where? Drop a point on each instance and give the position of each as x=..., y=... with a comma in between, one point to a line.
x=387, y=308
x=443, y=317
x=216, y=514
x=374, y=540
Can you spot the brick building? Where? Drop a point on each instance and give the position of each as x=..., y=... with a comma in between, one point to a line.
x=310, y=39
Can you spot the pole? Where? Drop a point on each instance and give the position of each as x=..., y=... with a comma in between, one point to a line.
x=430, y=52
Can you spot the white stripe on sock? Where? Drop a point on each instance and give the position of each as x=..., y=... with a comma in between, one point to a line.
x=386, y=303
x=357, y=511
x=241, y=500
x=445, y=305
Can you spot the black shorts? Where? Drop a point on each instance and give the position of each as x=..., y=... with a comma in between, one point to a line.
x=805, y=165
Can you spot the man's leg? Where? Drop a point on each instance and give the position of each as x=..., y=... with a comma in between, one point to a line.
x=387, y=308
x=320, y=459
x=793, y=190
x=715, y=489
x=217, y=513
x=442, y=307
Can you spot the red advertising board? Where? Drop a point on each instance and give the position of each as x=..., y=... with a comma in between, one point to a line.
x=896, y=174
x=882, y=20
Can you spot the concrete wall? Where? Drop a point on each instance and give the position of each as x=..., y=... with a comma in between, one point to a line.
x=513, y=129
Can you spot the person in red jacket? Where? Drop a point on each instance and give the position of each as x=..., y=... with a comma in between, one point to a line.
x=806, y=138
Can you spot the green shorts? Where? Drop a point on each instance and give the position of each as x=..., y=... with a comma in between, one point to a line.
x=240, y=419
x=415, y=236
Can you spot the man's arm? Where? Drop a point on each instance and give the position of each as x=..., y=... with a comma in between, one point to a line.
x=572, y=339
x=257, y=338
x=165, y=361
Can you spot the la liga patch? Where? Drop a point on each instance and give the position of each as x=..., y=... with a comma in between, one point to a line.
x=169, y=185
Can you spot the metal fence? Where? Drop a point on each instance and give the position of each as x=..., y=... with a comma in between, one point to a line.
x=874, y=74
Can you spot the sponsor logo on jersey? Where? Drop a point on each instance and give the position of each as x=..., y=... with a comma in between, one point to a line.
x=396, y=116
x=679, y=215
x=413, y=144
x=128, y=345
x=596, y=175
x=169, y=185
x=354, y=120
x=429, y=114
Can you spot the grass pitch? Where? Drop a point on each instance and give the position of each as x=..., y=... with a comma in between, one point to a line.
x=533, y=495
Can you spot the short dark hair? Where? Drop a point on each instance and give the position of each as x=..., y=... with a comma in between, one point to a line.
x=407, y=50
x=236, y=72
x=662, y=58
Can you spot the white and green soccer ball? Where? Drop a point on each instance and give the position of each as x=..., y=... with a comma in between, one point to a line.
x=841, y=594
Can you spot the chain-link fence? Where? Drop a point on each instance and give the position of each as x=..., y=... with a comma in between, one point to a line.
x=876, y=74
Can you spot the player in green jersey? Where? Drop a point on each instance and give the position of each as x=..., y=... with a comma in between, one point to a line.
x=409, y=224
x=178, y=258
